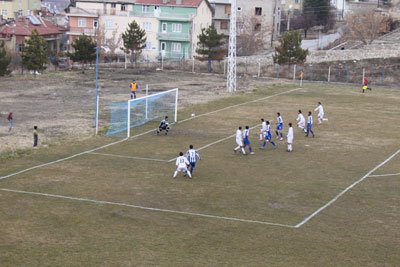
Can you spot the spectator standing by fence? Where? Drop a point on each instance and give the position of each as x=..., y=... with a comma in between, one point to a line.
x=10, y=121
x=35, y=136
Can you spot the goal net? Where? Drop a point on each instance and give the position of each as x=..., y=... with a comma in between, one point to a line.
x=133, y=113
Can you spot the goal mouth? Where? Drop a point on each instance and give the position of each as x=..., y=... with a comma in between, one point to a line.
x=136, y=112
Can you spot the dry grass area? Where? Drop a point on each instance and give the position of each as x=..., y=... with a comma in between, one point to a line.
x=360, y=228
x=62, y=104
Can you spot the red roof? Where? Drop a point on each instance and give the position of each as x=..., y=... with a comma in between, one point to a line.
x=23, y=28
x=185, y=3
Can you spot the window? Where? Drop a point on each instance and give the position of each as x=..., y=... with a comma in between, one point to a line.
x=81, y=22
x=176, y=27
x=21, y=48
x=28, y=12
x=4, y=13
x=113, y=5
x=176, y=47
x=147, y=26
x=164, y=27
x=148, y=46
x=224, y=25
x=95, y=24
x=109, y=24
x=228, y=10
x=20, y=13
x=145, y=9
x=123, y=7
x=258, y=11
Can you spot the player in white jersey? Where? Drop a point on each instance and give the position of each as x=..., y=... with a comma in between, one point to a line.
x=310, y=122
x=301, y=120
x=290, y=138
x=263, y=130
x=239, y=141
x=181, y=165
x=279, y=126
x=192, y=156
x=246, y=140
x=321, y=113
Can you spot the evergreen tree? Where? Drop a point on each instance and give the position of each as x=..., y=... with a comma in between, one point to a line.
x=35, y=54
x=85, y=51
x=210, y=46
x=4, y=60
x=289, y=49
x=134, y=39
x=318, y=9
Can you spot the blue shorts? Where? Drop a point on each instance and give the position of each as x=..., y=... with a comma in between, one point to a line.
x=279, y=127
x=246, y=142
x=268, y=136
x=309, y=125
x=193, y=164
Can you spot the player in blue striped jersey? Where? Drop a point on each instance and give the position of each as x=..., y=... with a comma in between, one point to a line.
x=279, y=126
x=246, y=140
x=191, y=155
x=309, y=124
x=268, y=136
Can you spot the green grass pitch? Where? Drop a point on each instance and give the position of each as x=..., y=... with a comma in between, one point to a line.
x=119, y=206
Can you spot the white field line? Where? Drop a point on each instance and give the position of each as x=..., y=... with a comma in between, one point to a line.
x=347, y=189
x=144, y=133
x=379, y=175
x=59, y=160
x=128, y=157
x=147, y=208
x=241, y=104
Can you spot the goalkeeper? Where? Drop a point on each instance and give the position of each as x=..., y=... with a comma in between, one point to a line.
x=163, y=126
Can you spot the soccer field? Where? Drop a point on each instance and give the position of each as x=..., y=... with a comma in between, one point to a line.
x=334, y=201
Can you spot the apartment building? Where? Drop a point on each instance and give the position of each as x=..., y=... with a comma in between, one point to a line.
x=178, y=24
x=11, y=9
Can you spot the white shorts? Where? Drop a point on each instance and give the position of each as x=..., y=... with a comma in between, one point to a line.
x=182, y=168
x=290, y=140
x=239, y=142
x=301, y=124
x=321, y=115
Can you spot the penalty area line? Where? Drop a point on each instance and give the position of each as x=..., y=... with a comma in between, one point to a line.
x=383, y=175
x=146, y=208
x=347, y=189
x=128, y=157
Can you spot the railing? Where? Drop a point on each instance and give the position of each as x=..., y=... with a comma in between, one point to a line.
x=161, y=15
x=173, y=36
x=87, y=31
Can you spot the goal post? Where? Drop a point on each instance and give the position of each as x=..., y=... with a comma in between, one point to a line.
x=136, y=112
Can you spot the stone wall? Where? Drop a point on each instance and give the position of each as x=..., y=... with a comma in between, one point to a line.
x=381, y=51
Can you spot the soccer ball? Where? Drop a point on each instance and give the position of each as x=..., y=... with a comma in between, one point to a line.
x=193, y=115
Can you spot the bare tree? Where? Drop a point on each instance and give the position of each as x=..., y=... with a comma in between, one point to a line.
x=114, y=43
x=253, y=35
x=367, y=26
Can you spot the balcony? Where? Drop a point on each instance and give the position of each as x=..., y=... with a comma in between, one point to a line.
x=173, y=36
x=81, y=30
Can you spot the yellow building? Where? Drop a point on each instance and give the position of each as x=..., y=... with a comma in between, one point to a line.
x=10, y=9
x=292, y=4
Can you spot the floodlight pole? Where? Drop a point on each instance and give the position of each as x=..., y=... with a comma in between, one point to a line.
x=231, y=78
x=97, y=92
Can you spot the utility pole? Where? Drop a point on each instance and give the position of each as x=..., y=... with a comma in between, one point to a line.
x=231, y=77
